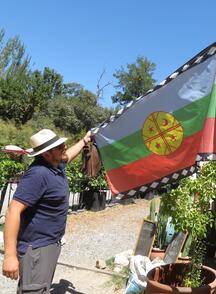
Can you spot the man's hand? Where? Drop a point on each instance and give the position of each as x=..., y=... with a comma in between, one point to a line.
x=10, y=267
x=87, y=138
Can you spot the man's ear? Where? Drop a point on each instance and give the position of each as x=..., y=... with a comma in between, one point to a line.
x=45, y=155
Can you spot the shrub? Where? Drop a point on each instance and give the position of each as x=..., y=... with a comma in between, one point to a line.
x=188, y=205
x=8, y=169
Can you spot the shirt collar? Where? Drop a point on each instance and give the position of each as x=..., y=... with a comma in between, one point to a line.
x=39, y=160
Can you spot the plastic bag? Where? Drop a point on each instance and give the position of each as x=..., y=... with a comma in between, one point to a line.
x=122, y=260
x=140, y=266
x=133, y=286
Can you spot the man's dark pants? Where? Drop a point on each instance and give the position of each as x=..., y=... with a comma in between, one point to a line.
x=37, y=268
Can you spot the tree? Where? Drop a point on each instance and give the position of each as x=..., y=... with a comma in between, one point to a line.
x=134, y=81
x=77, y=109
x=14, y=76
x=27, y=95
x=100, y=88
x=23, y=95
x=53, y=83
x=13, y=61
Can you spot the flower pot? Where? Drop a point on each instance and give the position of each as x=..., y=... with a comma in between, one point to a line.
x=168, y=278
x=157, y=252
x=183, y=259
x=94, y=200
x=210, y=249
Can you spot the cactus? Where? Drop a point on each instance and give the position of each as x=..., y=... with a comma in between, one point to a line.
x=152, y=210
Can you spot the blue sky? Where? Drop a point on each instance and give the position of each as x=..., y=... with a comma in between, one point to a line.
x=80, y=39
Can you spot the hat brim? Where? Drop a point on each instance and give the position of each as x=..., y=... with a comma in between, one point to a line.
x=13, y=149
x=31, y=152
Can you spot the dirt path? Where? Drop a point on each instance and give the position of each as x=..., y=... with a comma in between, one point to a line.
x=94, y=236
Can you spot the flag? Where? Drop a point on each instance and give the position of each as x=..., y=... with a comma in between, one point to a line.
x=161, y=136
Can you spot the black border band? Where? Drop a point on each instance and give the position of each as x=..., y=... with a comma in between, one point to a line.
x=46, y=144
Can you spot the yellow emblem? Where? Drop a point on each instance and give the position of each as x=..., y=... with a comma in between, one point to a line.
x=162, y=133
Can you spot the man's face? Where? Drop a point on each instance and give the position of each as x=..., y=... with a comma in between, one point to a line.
x=56, y=154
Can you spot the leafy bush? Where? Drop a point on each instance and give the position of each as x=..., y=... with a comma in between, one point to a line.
x=97, y=183
x=188, y=205
x=8, y=169
x=79, y=182
x=75, y=176
x=10, y=134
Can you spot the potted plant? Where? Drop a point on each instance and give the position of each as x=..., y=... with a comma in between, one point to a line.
x=91, y=189
x=75, y=176
x=163, y=226
x=211, y=234
x=188, y=205
x=75, y=180
x=94, y=194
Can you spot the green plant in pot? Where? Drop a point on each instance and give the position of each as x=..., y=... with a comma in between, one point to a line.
x=97, y=183
x=188, y=205
x=211, y=233
x=94, y=194
x=75, y=176
x=91, y=188
x=161, y=218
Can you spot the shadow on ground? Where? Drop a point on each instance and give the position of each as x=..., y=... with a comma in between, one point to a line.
x=63, y=287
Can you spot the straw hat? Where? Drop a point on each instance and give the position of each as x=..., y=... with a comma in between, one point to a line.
x=13, y=149
x=43, y=141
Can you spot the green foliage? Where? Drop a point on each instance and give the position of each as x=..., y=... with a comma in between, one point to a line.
x=12, y=57
x=7, y=133
x=97, y=183
x=23, y=95
x=162, y=219
x=152, y=214
x=10, y=134
x=110, y=263
x=14, y=77
x=192, y=277
x=40, y=121
x=160, y=239
x=187, y=246
x=24, y=92
x=75, y=176
x=118, y=280
x=79, y=182
x=77, y=110
x=188, y=205
x=8, y=169
x=135, y=81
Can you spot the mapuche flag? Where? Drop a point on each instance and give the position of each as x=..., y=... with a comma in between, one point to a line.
x=161, y=136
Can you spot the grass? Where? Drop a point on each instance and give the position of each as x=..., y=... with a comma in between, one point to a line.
x=118, y=280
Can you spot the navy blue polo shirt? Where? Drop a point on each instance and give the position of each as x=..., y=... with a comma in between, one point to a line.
x=45, y=191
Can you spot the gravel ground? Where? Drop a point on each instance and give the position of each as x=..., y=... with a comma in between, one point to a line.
x=92, y=236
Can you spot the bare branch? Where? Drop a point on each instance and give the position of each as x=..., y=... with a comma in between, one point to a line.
x=99, y=92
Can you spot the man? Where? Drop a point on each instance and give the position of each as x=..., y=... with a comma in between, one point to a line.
x=36, y=218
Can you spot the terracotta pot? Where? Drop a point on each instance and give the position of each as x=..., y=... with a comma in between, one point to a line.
x=168, y=278
x=157, y=252
x=183, y=259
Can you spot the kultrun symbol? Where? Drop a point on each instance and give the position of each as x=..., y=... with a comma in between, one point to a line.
x=162, y=133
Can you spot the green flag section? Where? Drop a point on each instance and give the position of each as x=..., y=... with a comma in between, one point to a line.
x=161, y=136
x=132, y=147
x=153, y=167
